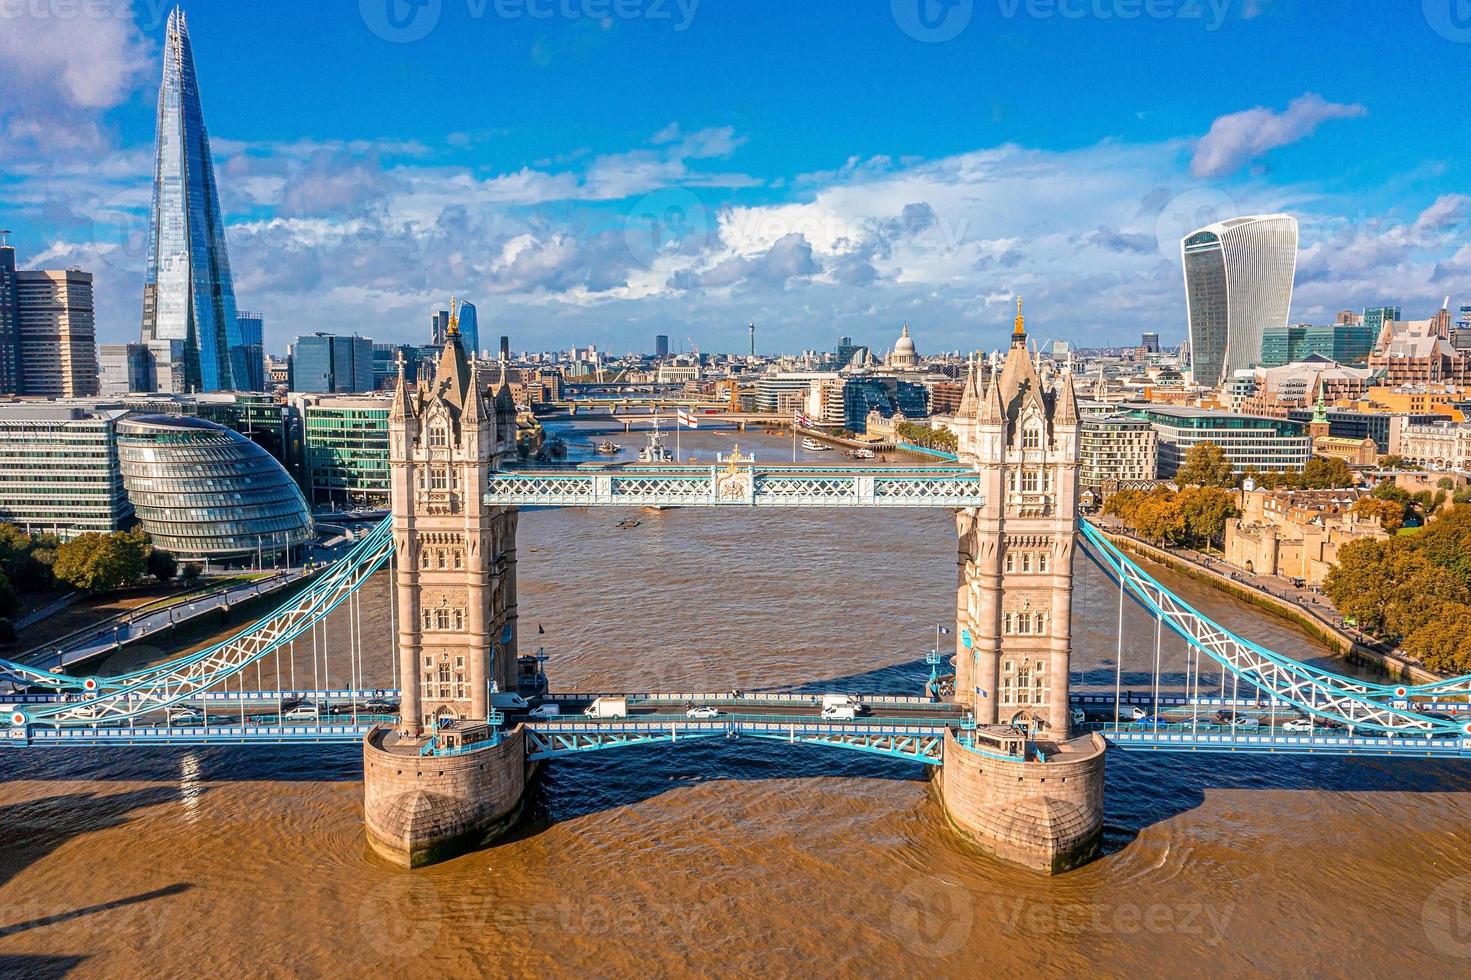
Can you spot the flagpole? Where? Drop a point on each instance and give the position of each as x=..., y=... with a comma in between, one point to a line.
x=678, y=424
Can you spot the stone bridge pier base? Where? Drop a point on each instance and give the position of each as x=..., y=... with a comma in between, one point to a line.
x=423, y=809
x=1043, y=815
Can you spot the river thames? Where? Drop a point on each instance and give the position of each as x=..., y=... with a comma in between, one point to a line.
x=737, y=858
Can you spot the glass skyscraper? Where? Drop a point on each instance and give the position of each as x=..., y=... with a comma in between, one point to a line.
x=469, y=329
x=1238, y=283
x=188, y=295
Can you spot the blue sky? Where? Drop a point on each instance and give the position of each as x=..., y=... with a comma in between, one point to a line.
x=604, y=170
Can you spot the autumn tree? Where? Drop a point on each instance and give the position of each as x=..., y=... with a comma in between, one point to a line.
x=1205, y=465
x=1389, y=513
x=1206, y=510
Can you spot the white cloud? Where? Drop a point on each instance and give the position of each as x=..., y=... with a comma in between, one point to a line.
x=1236, y=139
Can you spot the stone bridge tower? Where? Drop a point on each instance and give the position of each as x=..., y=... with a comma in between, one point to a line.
x=1014, y=596
x=1017, y=784
x=455, y=579
x=455, y=597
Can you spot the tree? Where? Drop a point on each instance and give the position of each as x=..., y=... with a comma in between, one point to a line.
x=1205, y=465
x=1360, y=584
x=102, y=562
x=1321, y=473
x=162, y=565
x=190, y=572
x=1158, y=518
x=1206, y=511
x=1444, y=642
x=1389, y=513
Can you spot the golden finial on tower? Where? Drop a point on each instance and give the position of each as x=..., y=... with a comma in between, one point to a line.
x=1019, y=332
x=453, y=329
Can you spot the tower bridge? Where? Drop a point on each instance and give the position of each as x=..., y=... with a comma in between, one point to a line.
x=1018, y=755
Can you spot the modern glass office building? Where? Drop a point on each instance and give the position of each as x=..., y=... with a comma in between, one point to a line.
x=328, y=364
x=1346, y=343
x=469, y=327
x=345, y=450
x=1238, y=283
x=188, y=295
x=202, y=490
x=59, y=470
x=1248, y=441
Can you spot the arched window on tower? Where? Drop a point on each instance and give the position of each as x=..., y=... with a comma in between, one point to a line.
x=438, y=436
x=1032, y=435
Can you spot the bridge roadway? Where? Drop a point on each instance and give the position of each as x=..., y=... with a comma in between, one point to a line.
x=894, y=726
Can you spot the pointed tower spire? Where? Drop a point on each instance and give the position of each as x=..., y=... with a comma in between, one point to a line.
x=1019, y=329
x=401, y=408
x=970, y=396
x=1066, y=410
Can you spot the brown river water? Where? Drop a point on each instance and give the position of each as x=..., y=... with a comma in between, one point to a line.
x=736, y=858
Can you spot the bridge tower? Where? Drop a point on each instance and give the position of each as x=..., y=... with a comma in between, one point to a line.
x=455, y=597
x=1013, y=618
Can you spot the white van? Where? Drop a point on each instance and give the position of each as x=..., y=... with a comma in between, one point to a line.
x=841, y=700
x=508, y=701
x=839, y=712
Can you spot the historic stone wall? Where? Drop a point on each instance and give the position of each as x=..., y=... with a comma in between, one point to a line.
x=1047, y=816
x=419, y=810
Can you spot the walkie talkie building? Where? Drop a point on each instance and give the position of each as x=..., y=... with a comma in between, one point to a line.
x=1238, y=282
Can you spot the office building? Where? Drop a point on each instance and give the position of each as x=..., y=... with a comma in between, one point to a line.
x=189, y=319
x=661, y=345
x=887, y=396
x=1238, y=283
x=505, y=348
x=438, y=329
x=1116, y=449
x=123, y=369
x=329, y=364
x=1248, y=441
x=1346, y=343
x=58, y=337
x=1150, y=343
x=468, y=321
x=251, y=375
x=786, y=392
x=9, y=320
x=201, y=490
x=344, y=449
x=386, y=359
x=59, y=470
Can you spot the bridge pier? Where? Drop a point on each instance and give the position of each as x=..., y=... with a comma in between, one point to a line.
x=1043, y=815
x=419, y=809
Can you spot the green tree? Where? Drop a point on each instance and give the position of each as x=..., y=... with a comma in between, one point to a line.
x=1206, y=511
x=1389, y=513
x=1443, y=643
x=1360, y=585
x=102, y=562
x=162, y=565
x=1205, y=465
x=1322, y=473
x=190, y=572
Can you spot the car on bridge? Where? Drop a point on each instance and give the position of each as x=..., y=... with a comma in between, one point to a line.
x=839, y=712
x=183, y=714
x=545, y=711
x=1298, y=725
x=703, y=713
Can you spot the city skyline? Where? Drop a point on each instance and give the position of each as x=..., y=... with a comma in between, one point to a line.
x=692, y=214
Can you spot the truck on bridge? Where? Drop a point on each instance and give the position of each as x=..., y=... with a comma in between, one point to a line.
x=608, y=707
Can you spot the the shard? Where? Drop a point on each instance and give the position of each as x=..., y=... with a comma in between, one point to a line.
x=189, y=321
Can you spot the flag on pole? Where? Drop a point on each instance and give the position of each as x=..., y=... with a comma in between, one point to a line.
x=686, y=419
x=980, y=693
x=801, y=419
x=944, y=631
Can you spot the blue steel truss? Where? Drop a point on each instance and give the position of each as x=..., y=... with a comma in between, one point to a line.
x=1311, y=690
x=748, y=485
